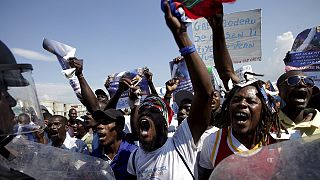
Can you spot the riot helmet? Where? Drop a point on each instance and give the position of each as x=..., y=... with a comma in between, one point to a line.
x=17, y=97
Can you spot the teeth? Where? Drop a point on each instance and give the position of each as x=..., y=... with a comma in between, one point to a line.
x=241, y=114
x=144, y=133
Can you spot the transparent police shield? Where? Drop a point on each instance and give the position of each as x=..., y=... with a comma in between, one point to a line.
x=294, y=159
x=20, y=110
x=47, y=162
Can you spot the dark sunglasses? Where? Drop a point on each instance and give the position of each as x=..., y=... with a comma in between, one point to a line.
x=295, y=80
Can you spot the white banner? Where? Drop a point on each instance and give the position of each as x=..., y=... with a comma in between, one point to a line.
x=242, y=33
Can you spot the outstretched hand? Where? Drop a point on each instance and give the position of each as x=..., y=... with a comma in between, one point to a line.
x=147, y=74
x=107, y=82
x=172, y=85
x=177, y=60
x=76, y=63
x=173, y=23
x=124, y=84
x=135, y=93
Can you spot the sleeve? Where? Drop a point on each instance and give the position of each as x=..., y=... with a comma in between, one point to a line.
x=205, y=154
x=130, y=168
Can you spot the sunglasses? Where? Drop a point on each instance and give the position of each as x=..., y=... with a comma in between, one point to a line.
x=295, y=80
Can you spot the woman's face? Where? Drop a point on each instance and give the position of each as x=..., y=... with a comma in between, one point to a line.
x=245, y=110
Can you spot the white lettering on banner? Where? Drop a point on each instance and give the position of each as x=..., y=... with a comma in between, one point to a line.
x=242, y=34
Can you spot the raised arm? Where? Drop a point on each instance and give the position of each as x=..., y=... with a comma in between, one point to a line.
x=222, y=59
x=149, y=76
x=134, y=103
x=199, y=116
x=171, y=85
x=88, y=97
x=124, y=84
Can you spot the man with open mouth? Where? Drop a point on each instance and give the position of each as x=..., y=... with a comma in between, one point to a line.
x=295, y=88
x=58, y=133
x=113, y=146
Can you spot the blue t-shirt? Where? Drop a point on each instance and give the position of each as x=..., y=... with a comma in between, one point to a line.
x=120, y=161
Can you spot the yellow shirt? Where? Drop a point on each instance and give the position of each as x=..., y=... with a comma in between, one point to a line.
x=304, y=128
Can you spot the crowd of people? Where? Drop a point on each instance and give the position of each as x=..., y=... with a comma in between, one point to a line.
x=160, y=144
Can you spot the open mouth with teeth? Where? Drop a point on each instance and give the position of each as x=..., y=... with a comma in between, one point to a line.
x=101, y=136
x=299, y=96
x=241, y=117
x=144, y=127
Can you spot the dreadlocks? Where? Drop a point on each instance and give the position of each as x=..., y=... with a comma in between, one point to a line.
x=268, y=118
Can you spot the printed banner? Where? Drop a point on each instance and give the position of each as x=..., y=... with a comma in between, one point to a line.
x=305, y=54
x=180, y=71
x=242, y=33
x=298, y=59
x=136, y=76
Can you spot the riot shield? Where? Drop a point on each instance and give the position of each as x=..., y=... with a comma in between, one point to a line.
x=293, y=159
x=47, y=162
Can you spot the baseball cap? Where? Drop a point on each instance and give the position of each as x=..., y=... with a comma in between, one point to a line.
x=100, y=92
x=108, y=116
x=182, y=95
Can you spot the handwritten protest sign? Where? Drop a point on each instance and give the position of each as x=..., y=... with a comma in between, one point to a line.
x=136, y=76
x=242, y=33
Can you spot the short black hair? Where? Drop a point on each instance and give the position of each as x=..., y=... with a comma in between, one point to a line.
x=62, y=119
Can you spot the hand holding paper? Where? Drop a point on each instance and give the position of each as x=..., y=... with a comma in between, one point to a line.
x=63, y=53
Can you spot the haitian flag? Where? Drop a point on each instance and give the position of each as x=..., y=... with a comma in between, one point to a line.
x=195, y=9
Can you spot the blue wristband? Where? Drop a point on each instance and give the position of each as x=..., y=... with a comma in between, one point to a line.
x=188, y=50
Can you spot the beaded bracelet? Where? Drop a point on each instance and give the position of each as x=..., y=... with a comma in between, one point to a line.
x=188, y=50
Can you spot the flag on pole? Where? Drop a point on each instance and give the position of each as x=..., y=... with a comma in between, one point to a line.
x=195, y=9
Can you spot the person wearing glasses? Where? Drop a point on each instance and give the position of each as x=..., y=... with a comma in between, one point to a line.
x=295, y=89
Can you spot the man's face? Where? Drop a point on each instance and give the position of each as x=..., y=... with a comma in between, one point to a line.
x=90, y=122
x=102, y=98
x=245, y=110
x=184, y=110
x=147, y=133
x=78, y=129
x=151, y=130
x=57, y=129
x=215, y=101
x=72, y=114
x=6, y=114
x=107, y=133
x=296, y=97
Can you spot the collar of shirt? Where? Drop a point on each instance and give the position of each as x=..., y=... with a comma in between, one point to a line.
x=290, y=124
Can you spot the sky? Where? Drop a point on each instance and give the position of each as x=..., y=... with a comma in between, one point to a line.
x=113, y=36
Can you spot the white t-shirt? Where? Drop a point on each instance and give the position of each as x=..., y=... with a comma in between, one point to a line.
x=165, y=162
x=173, y=127
x=208, y=155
